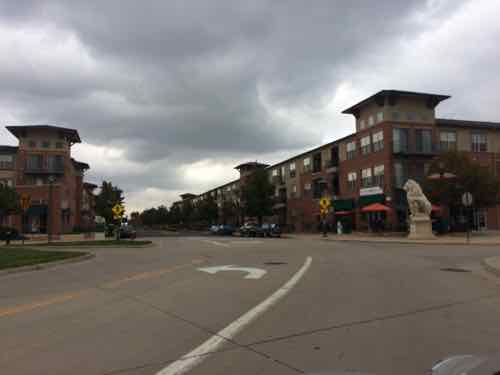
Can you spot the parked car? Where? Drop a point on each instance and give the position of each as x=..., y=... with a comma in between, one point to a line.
x=226, y=230
x=214, y=229
x=251, y=230
x=271, y=230
x=128, y=231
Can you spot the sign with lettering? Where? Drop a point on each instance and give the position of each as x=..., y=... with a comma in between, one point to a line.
x=371, y=191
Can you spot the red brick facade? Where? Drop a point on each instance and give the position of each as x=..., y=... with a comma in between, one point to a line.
x=402, y=157
x=43, y=170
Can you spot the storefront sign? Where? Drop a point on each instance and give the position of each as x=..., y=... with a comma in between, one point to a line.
x=371, y=191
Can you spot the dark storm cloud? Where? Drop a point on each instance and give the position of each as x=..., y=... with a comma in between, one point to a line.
x=181, y=81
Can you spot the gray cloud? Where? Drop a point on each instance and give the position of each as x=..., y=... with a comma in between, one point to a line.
x=173, y=83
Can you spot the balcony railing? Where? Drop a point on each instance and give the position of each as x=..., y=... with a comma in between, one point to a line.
x=402, y=148
x=48, y=170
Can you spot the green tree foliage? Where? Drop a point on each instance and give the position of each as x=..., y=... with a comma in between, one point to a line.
x=470, y=176
x=9, y=201
x=208, y=210
x=155, y=216
x=175, y=216
x=108, y=196
x=258, y=194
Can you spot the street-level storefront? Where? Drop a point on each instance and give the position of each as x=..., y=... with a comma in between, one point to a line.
x=344, y=213
x=35, y=219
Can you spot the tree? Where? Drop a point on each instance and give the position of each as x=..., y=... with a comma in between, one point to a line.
x=162, y=215
x=175, y=214
x=258, y=195
x=108, y=197
x=228, y=210
x=135, y=218
x=9, y=201
x=209, y=210
x=470, y=176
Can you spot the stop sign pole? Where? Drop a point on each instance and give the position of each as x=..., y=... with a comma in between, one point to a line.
x=467, y=200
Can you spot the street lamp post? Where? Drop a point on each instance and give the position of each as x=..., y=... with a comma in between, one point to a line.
x=50, y=215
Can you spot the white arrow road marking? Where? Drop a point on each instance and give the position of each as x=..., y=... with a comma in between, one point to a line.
x=252, y=273
x=196, y=356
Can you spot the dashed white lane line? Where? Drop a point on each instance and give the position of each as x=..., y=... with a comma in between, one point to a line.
x=196, y=356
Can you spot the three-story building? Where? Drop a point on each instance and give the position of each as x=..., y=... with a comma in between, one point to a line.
x=397, y=135
x=42, y=169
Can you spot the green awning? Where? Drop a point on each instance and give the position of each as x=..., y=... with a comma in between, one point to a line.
x=343, y=204
x=37, y=210
x=370, y=199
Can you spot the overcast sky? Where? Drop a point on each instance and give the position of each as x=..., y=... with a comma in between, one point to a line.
x=168, y=96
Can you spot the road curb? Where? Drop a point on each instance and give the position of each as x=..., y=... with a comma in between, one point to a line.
x=488, y=266
x=42, y=266
x=70, y=248
x=399, y=242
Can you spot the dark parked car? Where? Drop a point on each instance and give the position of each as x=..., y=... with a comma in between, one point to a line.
x=226, y=230
x=127, y=231
x=251, y=230
x=271, y=230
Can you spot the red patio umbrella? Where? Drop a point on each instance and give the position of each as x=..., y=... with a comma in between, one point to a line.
x=375, y=207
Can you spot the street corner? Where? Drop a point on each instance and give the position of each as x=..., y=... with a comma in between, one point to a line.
x=492, y=265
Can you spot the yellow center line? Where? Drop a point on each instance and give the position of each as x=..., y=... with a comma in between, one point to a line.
x=35, y=305
x=73, y=295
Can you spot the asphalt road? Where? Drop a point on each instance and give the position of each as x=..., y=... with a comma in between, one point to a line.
x=383, y=309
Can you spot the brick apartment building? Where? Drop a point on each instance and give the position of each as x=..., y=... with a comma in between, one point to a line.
x=42, y=168
x=397, y=136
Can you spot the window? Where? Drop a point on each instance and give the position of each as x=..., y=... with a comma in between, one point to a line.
x=294, y=191
x=366, y=177
x=32, y=144
x=411, y=116
x=319, y=187
x=7, y=182
x=6, y=161
x=307, y=164
x=362, y=124
x=378, y=175
x=45, y=144
x=423, y=140
x=400, y=174
x=292, y=170
x=351, y=181
x=317, y=163
x=55, y=162
x=59, y=145
x=307, y=186
x=365, y=145
x=34, y=162
x=370, y=121
x=395, y=116
x=448, y=140
x=380, y=117
x=378, y=141
x=282, y=174
x=421, y=171
x=479, y=142
x=399, y=140
x=351, y=150
x=275, y=173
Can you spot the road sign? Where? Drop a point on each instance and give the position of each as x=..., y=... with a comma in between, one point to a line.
x=252, y=273
x=118, y=211
x=467, y=199
x=25, y=201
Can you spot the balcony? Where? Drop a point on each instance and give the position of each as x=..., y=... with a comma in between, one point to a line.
x=56, y=170
x=405, y=149
x=332, y=166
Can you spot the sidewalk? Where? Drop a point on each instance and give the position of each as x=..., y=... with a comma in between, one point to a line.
x=492, y=264
x=482, y=239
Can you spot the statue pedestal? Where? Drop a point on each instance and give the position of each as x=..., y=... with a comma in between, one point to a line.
x=421, y=228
